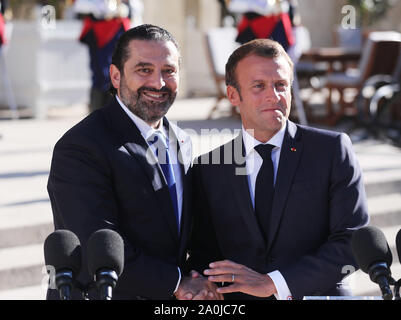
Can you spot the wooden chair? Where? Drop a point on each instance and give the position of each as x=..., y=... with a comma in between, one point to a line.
x=379, y=56
x=220, y=43
x=381, y=94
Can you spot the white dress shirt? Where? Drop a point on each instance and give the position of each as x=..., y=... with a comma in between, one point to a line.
x=147, y=132
x=253, y=163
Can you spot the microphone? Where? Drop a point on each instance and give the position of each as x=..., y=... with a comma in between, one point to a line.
x=62, y=250
x=373, y=255
x=398, y=244
x=398, y=283
x=105, y=260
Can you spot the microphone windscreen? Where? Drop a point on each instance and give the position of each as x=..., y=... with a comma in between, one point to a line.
x=398, y=244
x=369, y=245
x=62, y=250
x=105, y=251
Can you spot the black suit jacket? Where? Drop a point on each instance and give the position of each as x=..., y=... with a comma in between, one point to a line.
x=100, y=178
x=319, y=200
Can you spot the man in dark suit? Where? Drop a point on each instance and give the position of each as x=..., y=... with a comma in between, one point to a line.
x=274, y=209
x=126, y=168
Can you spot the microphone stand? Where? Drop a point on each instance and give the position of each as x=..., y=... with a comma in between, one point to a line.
x=64, y=284
x=84, y=288
x=397, y=286
x=104, y=283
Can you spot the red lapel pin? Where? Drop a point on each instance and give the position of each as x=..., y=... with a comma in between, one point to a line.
x=293, y=149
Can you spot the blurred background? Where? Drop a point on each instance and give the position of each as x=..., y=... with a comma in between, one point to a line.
x=347, y=78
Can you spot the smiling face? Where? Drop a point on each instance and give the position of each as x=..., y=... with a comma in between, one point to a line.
x=264, y=95
x=148, y=84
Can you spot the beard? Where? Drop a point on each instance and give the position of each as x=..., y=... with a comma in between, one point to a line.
x=148, y=111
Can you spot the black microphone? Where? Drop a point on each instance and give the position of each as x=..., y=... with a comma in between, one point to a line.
x=62, y=251
x=105, y=260
x=398, y=284
x=373, y=255
x=398, y=244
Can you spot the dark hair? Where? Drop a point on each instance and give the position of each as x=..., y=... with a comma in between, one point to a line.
x=143, y=32
x=261, y=47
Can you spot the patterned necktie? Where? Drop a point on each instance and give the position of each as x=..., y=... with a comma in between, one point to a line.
x=264, y=188
x=163, y=158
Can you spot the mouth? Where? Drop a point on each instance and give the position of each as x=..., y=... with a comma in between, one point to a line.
x=271, y=109
x=155, y=96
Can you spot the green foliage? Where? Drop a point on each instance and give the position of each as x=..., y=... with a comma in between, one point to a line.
x=371, y=11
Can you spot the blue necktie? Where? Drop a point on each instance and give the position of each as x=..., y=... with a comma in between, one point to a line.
x=163, y=157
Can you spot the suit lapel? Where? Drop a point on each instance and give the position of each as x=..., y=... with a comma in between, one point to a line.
x=290, y=155
x=133, y=141
x=240, y=184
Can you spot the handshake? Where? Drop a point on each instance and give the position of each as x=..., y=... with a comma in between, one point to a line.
x=242, y=279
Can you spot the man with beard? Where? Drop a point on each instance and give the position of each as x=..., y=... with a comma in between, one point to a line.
x=126, y=168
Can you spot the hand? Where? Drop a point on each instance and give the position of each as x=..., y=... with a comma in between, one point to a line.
x=245, y=279
x=197, y=287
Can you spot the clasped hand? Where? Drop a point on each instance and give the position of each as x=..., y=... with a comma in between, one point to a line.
x=242, y=279
x=197, y=287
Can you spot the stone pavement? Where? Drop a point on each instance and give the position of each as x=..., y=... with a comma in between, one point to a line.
x=25, y=213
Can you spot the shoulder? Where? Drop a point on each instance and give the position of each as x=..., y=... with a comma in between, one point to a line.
x=321, y=136
x=326, y=145
x=222, y=158
x=89, y=130
x=317, y=132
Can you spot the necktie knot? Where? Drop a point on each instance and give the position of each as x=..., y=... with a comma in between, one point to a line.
x=264, y=150
x=158, y=138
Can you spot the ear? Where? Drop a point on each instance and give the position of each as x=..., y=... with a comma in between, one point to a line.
x=233, y=96
x=115, y=76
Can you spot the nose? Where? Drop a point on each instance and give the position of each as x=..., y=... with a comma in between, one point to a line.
x=157, y=81
x=272, y=94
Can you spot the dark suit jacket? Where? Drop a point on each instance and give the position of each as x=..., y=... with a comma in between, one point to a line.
x=319, y=200
x=100, y=178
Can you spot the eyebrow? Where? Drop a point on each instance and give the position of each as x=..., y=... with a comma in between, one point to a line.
x=143, y=64
x=260, y=80
x=148, y=64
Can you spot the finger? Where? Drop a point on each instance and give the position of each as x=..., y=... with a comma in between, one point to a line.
x=225, y=264
x=224, y=278
x=229, y=289
x=219, y=296
x=187, y=296
x=201, y=295
x=215, y=296
x=211, y=296
x=220, y=271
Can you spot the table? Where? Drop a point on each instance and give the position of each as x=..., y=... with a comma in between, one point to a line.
x=331, y=55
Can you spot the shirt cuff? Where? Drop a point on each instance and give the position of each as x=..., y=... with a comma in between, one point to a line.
x=179, y=280
x=283, y=292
